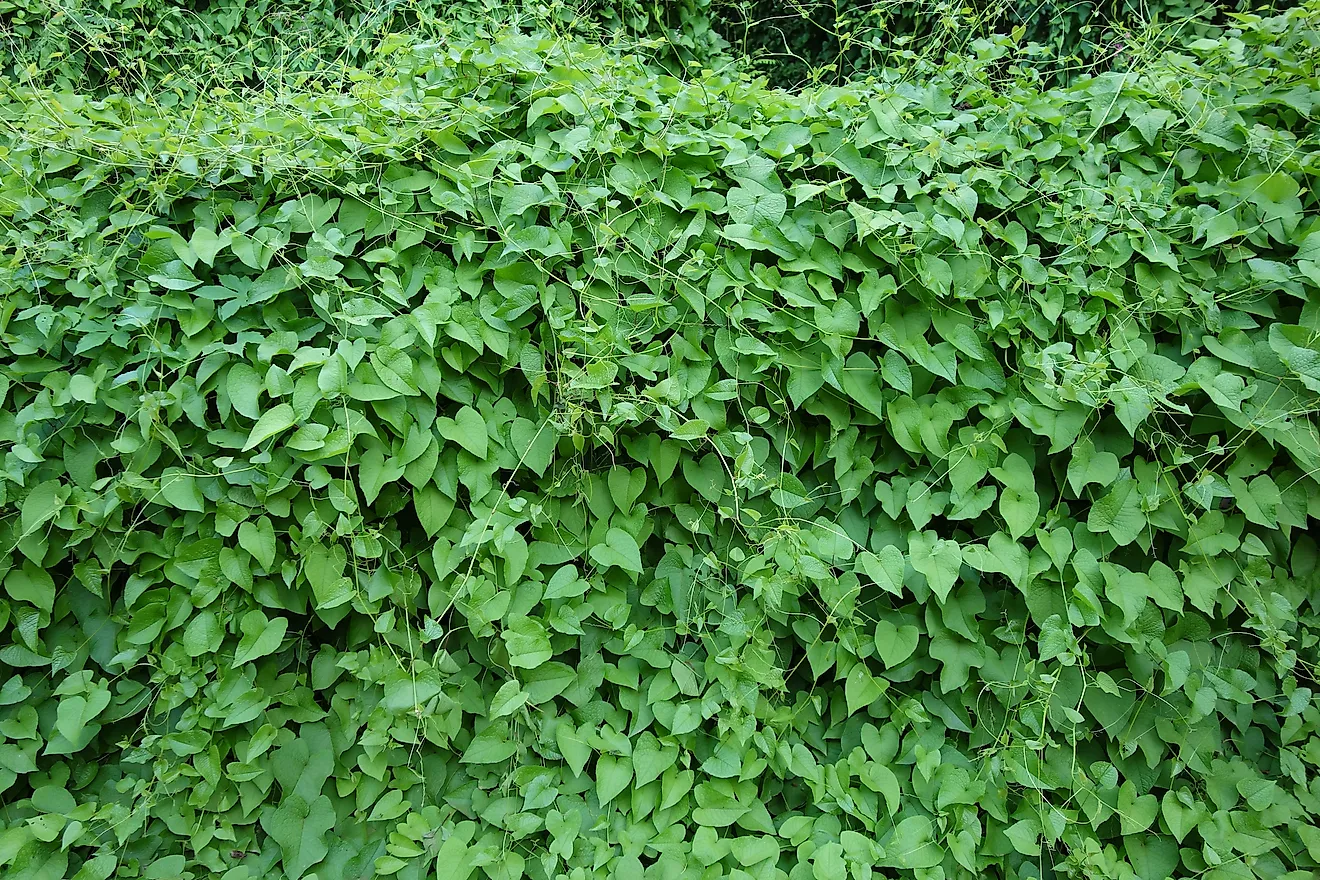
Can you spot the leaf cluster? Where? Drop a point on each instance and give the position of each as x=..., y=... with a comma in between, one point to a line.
x=522, y=462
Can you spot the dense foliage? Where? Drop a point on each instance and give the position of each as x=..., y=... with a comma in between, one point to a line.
x=524, y=463
x=796, y=41
x=167, y=51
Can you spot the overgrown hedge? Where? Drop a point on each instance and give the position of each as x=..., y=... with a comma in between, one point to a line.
x=531, y=465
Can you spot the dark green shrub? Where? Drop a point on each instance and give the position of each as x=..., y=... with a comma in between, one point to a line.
x=797, y=40
x=527, y=464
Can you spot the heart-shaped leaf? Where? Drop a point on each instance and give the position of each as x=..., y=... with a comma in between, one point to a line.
x=620, y=549
x=468, y=429
x=895, y=643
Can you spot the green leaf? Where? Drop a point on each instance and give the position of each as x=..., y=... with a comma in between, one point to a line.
x=258, y=538
x=529, y=463
x=896, y=373
x=408, y=690
x=99, y=867
x=33, y=585
x=886, y=568
x=784, y=139
x=1220, y=228
x=651, y=758
x=42, y=503
x=620, y=549
x=534, y=443
x=1020, y=511
x=753, y=204
x=706, y=476
x=491, y=746
x=1297, y=348
x=935, y=273
x=324, y=568
x=203, y=634
x=174, y=275
x=687, y=718
x=1132, y=403
x=862, y=382
x=275, y=421
x=375, y=472
x=547, y=681
x=75, y=714
x=299, y=827
x=862, y=689
x=206, y=243
x=507, y=700
x=881, y=779
x=912, y=845
x=1025, y=837
x=1056, y=638
x=454, y=860
x=1118, y=513
x=895, y=644
x=180, y=489
x=1181, y=817
x=1019, y=504
x=244, y=387
x=82, y=388
x=939, y=559
x=751, y=851
x=261, y=636
x=1126, y=589
x=1135, y=813
x=527, y=642
x=468, y=429
x=827, y=862
x=612, y=776
x=572, y=746
x=1088, y=466
x=716, y=807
